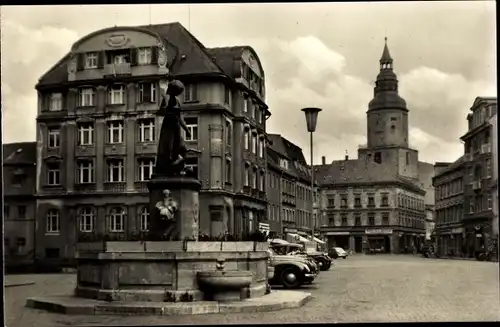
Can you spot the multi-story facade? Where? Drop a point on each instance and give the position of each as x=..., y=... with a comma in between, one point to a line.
x=449, y=210
x=430, y=222
x=289, y=190
x=494, y=189
x=97, y=133
x=19, y=178
x=478, y=181
x=377, y=200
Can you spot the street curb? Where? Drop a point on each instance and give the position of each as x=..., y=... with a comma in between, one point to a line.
x=276, y=300
x=18, y=284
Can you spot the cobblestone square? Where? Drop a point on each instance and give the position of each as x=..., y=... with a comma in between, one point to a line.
x=379, y=288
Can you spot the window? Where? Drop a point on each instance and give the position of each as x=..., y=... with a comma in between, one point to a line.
x=261, y=181
x=254, y=144
x=147, y=130
x=115, y=132
x=147, y=93
x=192, y=163
x=488, y=167
x=86, y=134
x=344, y=220
x=116, y=94
x=343, y=202
x=55, y=102
x=331, y=202
x=144, y=56
x=385, y=200
x=229, y=132
x=385, y=218
x=87, y=219
x=119, y=59
x=86, y=97
x=261, y=148
x=245, y=140
x=371, y=201
x=377, y=157
x=357, y=220
x=255, y=179
x=144, y=219
x=115, y=170
x=489, y=202
x=471, y=206
x=146, y=167
x=247, y=176
x=53, y=221
x=190, y=92
x=21, y=212
x=357, y=201
x=245, y=104
x=21, y=244
x=228, y=171
x=192, y=125
x=85, y=172
x=371, y=219
x=53, y=136
x=53, y=174
x=258, y=116
x=117, y=220
x=91, y=60
x=227, y=95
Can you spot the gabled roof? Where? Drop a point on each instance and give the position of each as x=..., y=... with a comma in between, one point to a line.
x=481, y=99
x=292, y=152
x=197, y=59
x=453, y=166
x=23, y=153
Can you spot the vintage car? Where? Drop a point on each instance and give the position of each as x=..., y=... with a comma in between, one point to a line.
x=290, y=271
x=323, y=261
x=338, y=252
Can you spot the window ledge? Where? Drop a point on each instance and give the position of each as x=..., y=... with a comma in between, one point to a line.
x=52, y=234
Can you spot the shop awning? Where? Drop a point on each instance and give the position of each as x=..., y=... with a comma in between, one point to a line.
x=302, y=239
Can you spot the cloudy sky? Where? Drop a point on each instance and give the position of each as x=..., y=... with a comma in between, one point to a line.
x=323, y=55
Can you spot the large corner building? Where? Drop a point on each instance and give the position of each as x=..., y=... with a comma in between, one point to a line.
x=97, y=133
x=378, y=201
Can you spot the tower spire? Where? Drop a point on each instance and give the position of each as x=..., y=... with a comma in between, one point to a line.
x=386, y=59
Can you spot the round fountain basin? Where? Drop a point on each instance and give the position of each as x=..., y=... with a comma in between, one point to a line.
x=225, y=280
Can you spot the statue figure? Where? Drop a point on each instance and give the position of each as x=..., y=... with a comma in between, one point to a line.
x=167, y=209
x=172, y=150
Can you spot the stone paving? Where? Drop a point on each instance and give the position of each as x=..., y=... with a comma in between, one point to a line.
x=379, y=288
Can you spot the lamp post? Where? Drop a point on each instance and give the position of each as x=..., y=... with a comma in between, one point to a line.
x=311, y=120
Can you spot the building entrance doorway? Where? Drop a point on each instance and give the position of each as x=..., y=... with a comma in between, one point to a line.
x=358, y=244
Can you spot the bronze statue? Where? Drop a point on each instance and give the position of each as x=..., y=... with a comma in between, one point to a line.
x=172, y=150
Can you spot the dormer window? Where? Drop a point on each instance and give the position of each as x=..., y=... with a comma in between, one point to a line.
x=116, y=94
x=91, y=60
x=144, y=56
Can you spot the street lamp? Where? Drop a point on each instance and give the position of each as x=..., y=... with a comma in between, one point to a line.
x=311, y=120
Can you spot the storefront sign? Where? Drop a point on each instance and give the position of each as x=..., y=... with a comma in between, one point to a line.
x=336, y=233
x=379, y=231
x=263, y=227
x=457, y=230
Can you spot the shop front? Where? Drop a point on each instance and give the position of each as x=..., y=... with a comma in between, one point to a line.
x=338, y=239
x=378, y=240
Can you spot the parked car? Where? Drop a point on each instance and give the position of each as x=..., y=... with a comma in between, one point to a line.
x=337, y=252
x=322, y=259
x=290, y=271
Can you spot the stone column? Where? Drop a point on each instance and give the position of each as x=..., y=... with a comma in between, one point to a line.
x=131, y=99
x=101, y=220
x=100, y=164
x=132, y=225
x=216, y=156
x=185, y=191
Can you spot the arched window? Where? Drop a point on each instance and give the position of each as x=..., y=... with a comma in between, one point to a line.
x=87, y=219
x=117, y=220
x=53, y=221
x=144, y=219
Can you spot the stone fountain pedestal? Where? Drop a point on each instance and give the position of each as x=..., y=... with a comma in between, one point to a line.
x=185, y=190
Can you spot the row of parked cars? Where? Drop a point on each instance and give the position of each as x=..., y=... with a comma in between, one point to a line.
x=293, y=266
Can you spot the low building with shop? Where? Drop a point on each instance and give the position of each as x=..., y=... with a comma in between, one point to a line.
x=449, y=192
x=19, y=179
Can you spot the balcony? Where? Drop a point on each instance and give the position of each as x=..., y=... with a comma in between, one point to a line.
x=476, y=185
x=485, y=148
x=115, y=187
x=85, y=188
x=141, y=186
x=117, y=69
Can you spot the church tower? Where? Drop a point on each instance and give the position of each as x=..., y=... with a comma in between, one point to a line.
x=387, y=124
x=387, y=113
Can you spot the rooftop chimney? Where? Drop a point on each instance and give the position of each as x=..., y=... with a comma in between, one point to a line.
x=323, y=160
